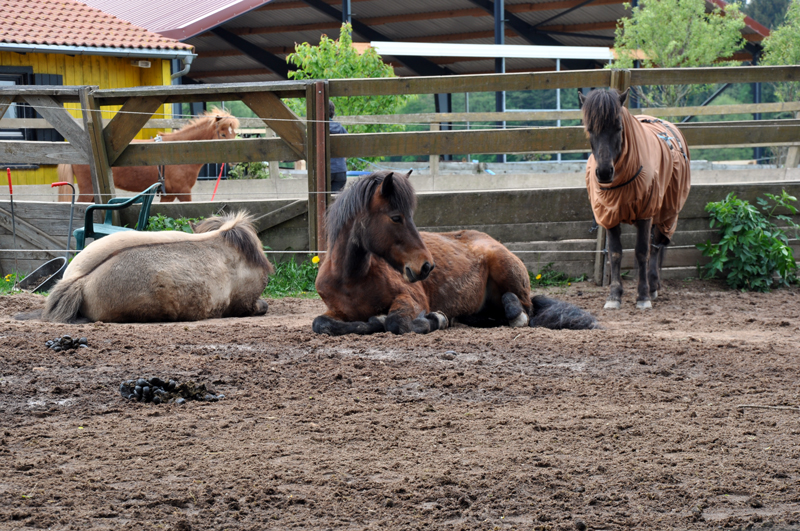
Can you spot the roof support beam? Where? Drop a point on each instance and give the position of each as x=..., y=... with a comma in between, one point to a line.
x=500, y=63
x=270, y=61
x=347, y=12
x=421, y=66
x=571, y=29
x=523, y=29
x=558, y=15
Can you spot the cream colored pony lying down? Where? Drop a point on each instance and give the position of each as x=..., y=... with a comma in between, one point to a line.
x=220, y=271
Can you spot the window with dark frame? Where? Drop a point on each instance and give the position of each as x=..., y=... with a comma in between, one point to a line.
x=23, y=75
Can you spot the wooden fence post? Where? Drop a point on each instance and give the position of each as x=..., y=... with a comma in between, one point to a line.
x=317, y=162
x=434, y=159
x=102, y=179
x=793, y=153
x=322, y=170
x=620, y=80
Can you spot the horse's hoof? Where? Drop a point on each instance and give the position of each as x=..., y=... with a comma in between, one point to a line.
x=611, y=305
x=653, y=295
x=442, y=318
x=380, y=318
x=643, y=305
x=520, y=321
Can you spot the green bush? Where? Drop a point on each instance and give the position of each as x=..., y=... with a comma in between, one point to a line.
x=547, y=276
x=293, y=280
x=161, y=222
x=249, y=170
x=752, y=249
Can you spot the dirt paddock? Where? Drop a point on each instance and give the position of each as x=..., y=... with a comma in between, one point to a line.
x=635, y=426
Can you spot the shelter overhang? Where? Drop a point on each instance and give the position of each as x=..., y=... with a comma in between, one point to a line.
x=508, y=51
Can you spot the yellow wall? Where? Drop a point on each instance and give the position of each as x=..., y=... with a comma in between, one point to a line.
x=105, y=72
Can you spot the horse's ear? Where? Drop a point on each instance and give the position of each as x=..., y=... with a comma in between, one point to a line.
x=581, y=99
x=387, y=187
x=409, y=174
x=218, y=117
x=624, y=96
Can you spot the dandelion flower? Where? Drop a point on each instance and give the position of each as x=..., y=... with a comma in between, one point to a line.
x=315, y=260
x=569, y=283
x=539, y=276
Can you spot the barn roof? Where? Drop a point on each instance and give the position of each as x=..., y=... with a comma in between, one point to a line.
x=248, y=40
x=60, y=23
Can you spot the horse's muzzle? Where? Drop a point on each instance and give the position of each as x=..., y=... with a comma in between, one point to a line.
x=605, y=175
x=424, y=271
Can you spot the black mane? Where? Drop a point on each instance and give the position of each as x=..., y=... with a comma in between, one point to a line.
x=355, y=200
x=600, y=110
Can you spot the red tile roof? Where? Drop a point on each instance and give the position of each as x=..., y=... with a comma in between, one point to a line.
x=71, y=23
x=177, y=19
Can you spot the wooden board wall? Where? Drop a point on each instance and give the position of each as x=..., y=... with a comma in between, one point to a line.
x=52, y=219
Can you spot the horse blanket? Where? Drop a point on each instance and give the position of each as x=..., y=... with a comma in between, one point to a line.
x=651, y=176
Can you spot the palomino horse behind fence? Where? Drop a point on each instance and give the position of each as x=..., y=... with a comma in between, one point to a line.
x=178, y=179
x=164, y=276
x=638, y=173
x=379, y=264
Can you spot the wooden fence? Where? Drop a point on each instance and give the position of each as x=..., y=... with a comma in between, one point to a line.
x=104, y=146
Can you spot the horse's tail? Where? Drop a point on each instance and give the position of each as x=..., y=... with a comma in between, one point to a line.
x=65, y=175
x=558, y=315
x=237, y=230
x=64, y=302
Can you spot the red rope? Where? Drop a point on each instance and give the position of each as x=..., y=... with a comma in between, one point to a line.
x=218, y=179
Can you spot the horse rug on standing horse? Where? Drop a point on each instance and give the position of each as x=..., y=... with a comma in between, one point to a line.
x=651, y=176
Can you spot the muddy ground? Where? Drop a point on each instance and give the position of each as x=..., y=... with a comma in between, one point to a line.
x=635, y=426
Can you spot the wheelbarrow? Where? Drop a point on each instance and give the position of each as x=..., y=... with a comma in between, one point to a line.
x=46, y=275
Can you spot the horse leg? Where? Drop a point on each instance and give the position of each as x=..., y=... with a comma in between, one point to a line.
x=261, y=307
x=515, y=313
x=615, y=253
x=657, y=251
x=406, y=315
x=643, y=227
x=326, y=324
x=83, y=178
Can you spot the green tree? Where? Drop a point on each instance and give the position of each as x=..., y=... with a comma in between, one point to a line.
x=338, y=59
x=676, y=34
x=782, y=47
x=769, y=13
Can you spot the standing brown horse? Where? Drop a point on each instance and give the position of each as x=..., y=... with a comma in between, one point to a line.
x=639, y=174
x=379, y=264
x=178, y=179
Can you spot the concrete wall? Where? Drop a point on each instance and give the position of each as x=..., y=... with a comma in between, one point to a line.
x=540, y=225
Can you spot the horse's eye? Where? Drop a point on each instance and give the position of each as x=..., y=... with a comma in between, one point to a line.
x=397, y=219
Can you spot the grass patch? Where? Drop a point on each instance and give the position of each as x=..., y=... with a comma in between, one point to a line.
x=8, y=282
x=293, y=280
x=547, y=276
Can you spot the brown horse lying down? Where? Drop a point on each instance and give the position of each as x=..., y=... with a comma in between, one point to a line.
x=164, y=276
x=379, y=264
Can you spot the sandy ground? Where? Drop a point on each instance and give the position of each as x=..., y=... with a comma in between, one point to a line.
x=635, y=426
